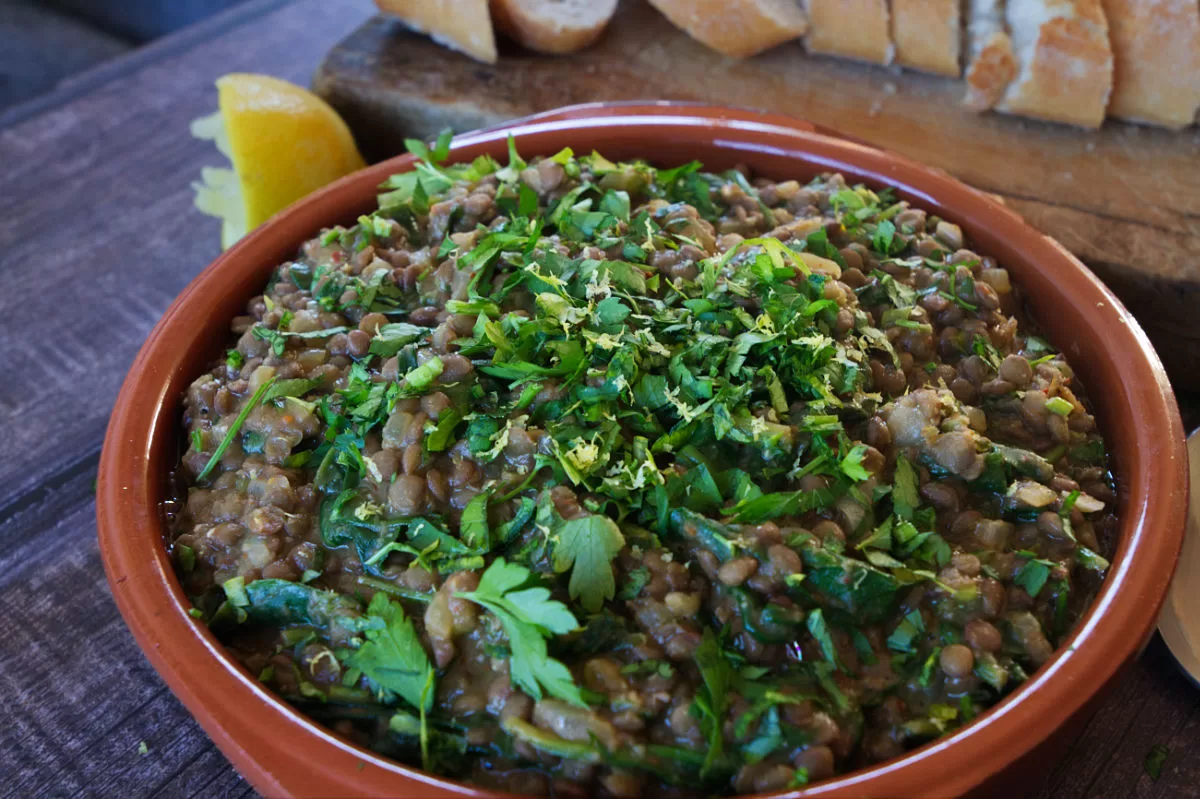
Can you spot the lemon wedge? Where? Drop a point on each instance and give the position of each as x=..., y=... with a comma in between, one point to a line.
x=284, y=142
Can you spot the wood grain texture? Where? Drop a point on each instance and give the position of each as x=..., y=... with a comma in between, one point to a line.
x=99, y=235
x=99, y=231
x=1154, y=706
x=78, y=693
x=1126, y=199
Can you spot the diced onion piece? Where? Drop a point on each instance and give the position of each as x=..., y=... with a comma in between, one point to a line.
x=1031, y=494
x=949, y=234
x=261, y=375
x=1086, y=503
x=822, y=266
x=853, y=511
x=997, y=279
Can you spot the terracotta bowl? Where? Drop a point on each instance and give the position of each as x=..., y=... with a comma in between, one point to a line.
x=283, y=753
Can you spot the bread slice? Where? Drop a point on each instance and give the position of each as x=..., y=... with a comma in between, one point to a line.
x=463, y=25
x=1065, y=61
x=991, y=65
x=850, y=28
x=553, y=26
x=928, y=35
x=1156, y=60
x=737, y=28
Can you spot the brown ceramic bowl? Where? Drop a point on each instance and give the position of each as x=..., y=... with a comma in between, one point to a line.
x=283, y=753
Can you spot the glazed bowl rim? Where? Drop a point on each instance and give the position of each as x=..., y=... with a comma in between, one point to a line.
x=244, y=718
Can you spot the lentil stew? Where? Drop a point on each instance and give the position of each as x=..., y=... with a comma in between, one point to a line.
x=576, y=477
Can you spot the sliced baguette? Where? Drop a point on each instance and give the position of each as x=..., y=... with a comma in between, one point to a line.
x=1156, y=60
x=858, y=29
x=738, y=28
x=1065, y=63
x=991, y=65
x=463, y=25
x=553, y=26
x=928, y=35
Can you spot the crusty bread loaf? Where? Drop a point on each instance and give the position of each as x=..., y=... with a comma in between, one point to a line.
x=991, y=65
x=1064, y=60
x=737, y=28
x=463, y=25
x=1156, y=60
x=928, y=35
x=858, y=29
x=553, y=26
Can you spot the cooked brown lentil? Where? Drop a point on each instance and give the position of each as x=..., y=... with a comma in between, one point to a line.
x=583, y=478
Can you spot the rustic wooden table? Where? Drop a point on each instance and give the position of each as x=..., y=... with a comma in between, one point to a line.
x=97, y=235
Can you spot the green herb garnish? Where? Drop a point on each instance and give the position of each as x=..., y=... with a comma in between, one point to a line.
x=232, y=432
x=1155, y=759
x=528, y=616
x=585, y=546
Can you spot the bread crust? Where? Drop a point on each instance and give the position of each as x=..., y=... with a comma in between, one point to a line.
x=528, y=24
x=737, y=28
x=859, y=29
x=463, y=25
x=990, y=72
x=1156, y=60
x=928, y=35
x=1068, y=77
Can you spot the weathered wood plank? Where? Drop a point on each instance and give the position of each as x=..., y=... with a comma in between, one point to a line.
x=1122, y=170
x=99, y=230
x=1126, y=199
x=207, y=775
x=81, y=693
x=95, y=213
x=1154, y=706
x=1130, y=258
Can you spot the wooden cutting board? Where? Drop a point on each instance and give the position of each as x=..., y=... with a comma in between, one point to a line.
x=1125, y=199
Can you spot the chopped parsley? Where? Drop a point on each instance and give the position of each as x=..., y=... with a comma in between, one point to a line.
x=528, y=616
x=1155, y=759
x=585, y=546
x=392, y=656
